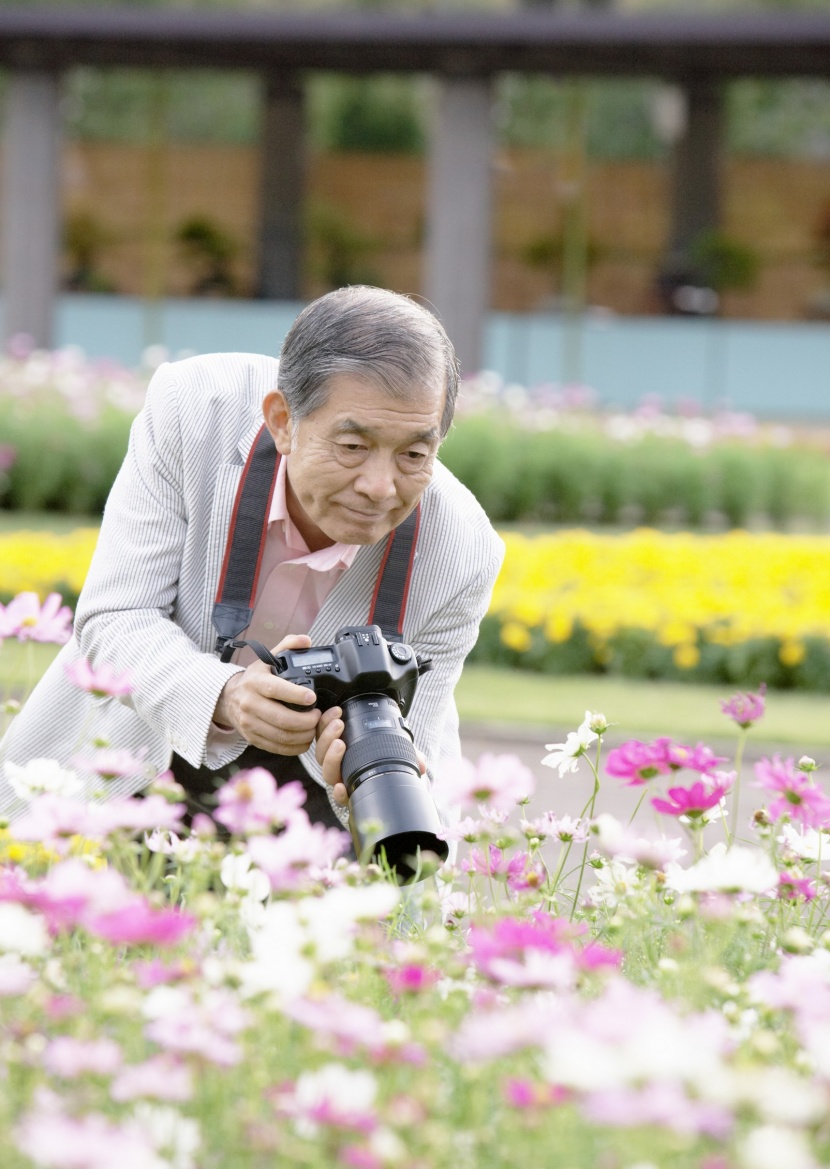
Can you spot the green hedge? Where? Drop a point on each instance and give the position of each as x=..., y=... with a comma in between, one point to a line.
x=64, y=463
x=551, y=476
x=61, y=462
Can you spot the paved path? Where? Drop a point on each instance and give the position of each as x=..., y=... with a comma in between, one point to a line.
x=570, y=794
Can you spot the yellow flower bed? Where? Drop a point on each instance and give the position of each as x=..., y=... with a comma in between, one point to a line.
x=42, y=561
x=724, y=589
x=683, y=589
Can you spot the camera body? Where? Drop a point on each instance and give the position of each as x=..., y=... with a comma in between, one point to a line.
x=391, y=809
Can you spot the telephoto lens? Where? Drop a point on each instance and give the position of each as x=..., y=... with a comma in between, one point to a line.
x=391, y=809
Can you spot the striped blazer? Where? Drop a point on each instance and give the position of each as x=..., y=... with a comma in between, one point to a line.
x=147, y=603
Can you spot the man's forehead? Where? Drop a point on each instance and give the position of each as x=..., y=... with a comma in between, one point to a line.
x=359, y=400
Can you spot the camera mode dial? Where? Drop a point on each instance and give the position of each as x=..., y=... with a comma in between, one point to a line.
x=401, y=653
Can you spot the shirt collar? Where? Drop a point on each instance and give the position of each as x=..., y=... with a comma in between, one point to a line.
x=336, y=556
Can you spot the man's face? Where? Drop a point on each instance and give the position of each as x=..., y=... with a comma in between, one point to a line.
x=358, y=465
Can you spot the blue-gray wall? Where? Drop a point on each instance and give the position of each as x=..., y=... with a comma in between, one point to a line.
x=769, y=368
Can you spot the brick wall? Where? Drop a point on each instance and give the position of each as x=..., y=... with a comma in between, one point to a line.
x=367, y=212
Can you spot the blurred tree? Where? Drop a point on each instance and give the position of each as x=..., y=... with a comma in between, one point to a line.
x=209, y=251
x=84, y=240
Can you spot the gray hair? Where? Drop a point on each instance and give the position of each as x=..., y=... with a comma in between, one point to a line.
x=369, y=333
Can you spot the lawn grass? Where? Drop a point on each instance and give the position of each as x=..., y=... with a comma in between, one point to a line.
x=45, y=521
x=510, y=699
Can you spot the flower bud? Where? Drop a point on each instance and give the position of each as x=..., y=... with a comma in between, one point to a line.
x=805, y=763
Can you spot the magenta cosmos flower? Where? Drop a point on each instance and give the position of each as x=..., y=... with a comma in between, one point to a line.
x=637, y=762
x=746, y=708
x=797, y=796
x=26, y=619
x=693, y=801
x=102, y=681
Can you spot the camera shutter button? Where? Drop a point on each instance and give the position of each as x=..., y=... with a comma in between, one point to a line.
x=401, y=653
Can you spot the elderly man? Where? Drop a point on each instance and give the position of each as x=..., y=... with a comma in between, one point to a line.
x=356, y=409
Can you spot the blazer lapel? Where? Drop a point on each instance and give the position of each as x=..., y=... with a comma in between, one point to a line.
x=227, y=482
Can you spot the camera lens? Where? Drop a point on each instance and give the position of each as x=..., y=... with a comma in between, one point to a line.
x=391, y=809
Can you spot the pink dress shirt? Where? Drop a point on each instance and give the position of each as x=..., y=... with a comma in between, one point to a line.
x=292, y=587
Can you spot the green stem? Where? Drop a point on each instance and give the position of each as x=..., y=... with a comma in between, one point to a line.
x=736, y=790
x=589, y=809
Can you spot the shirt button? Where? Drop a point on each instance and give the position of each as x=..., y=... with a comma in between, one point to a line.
x=269, y=624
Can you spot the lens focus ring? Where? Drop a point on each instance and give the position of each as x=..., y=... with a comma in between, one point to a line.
x=374, y=750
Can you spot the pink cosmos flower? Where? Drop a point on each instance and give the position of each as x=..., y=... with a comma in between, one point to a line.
x=68, y=1057
x=349, y=1026
x=359, y=1157
x=413, y=978
x=299, y=851
x=664, y=1105
x=138, y=924
x=26, y=619
x=204, y=1025
x=102, y=681
x=111, y=764
x=502, y=781
x=537, y=951
x=681, y=758
x=518, y=871
x=637, y=762
x=71, y=894
x=53, y=820
x=162, y=1077
x=251, y=802
x=798, y=796
x=746, y=708
x=155, y=972
x=55, y=1141
x=791, y=888
x=692, y=801
x=526, y=1094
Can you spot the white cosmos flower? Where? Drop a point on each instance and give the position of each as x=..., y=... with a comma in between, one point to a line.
x=41, y=776
x=614, y=840
x=614, y=882
x=175, y=1135
x=237, y=873
x=809, y=843
x=734, y=870
x=564, y=756
x=22, y=932
x=771, y=1145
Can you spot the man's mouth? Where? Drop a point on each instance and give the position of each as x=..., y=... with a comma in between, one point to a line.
x=366, y=515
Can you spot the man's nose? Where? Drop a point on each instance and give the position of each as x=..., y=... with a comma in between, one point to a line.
x=376, y=480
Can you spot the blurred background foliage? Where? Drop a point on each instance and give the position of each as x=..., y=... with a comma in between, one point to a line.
x=391, y=114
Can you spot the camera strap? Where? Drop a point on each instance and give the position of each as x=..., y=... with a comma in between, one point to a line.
x=236, y=591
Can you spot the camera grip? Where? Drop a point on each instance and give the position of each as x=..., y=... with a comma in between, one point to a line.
x=307, y=682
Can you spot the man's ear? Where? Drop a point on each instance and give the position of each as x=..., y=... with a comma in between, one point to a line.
x=278, y=420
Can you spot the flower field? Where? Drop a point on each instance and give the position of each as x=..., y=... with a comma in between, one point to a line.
x=566, y=990
x=736, y=607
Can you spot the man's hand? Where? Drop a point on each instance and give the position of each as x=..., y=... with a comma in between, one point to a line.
x=253, y=703
x=331, y=749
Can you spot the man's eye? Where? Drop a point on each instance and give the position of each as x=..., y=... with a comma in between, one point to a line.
x=414, y=458
x=352, y=447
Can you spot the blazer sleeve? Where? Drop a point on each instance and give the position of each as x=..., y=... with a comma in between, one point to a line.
x=128, y=610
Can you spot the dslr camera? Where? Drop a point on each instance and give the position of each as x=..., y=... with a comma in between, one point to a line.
x=391, y=809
